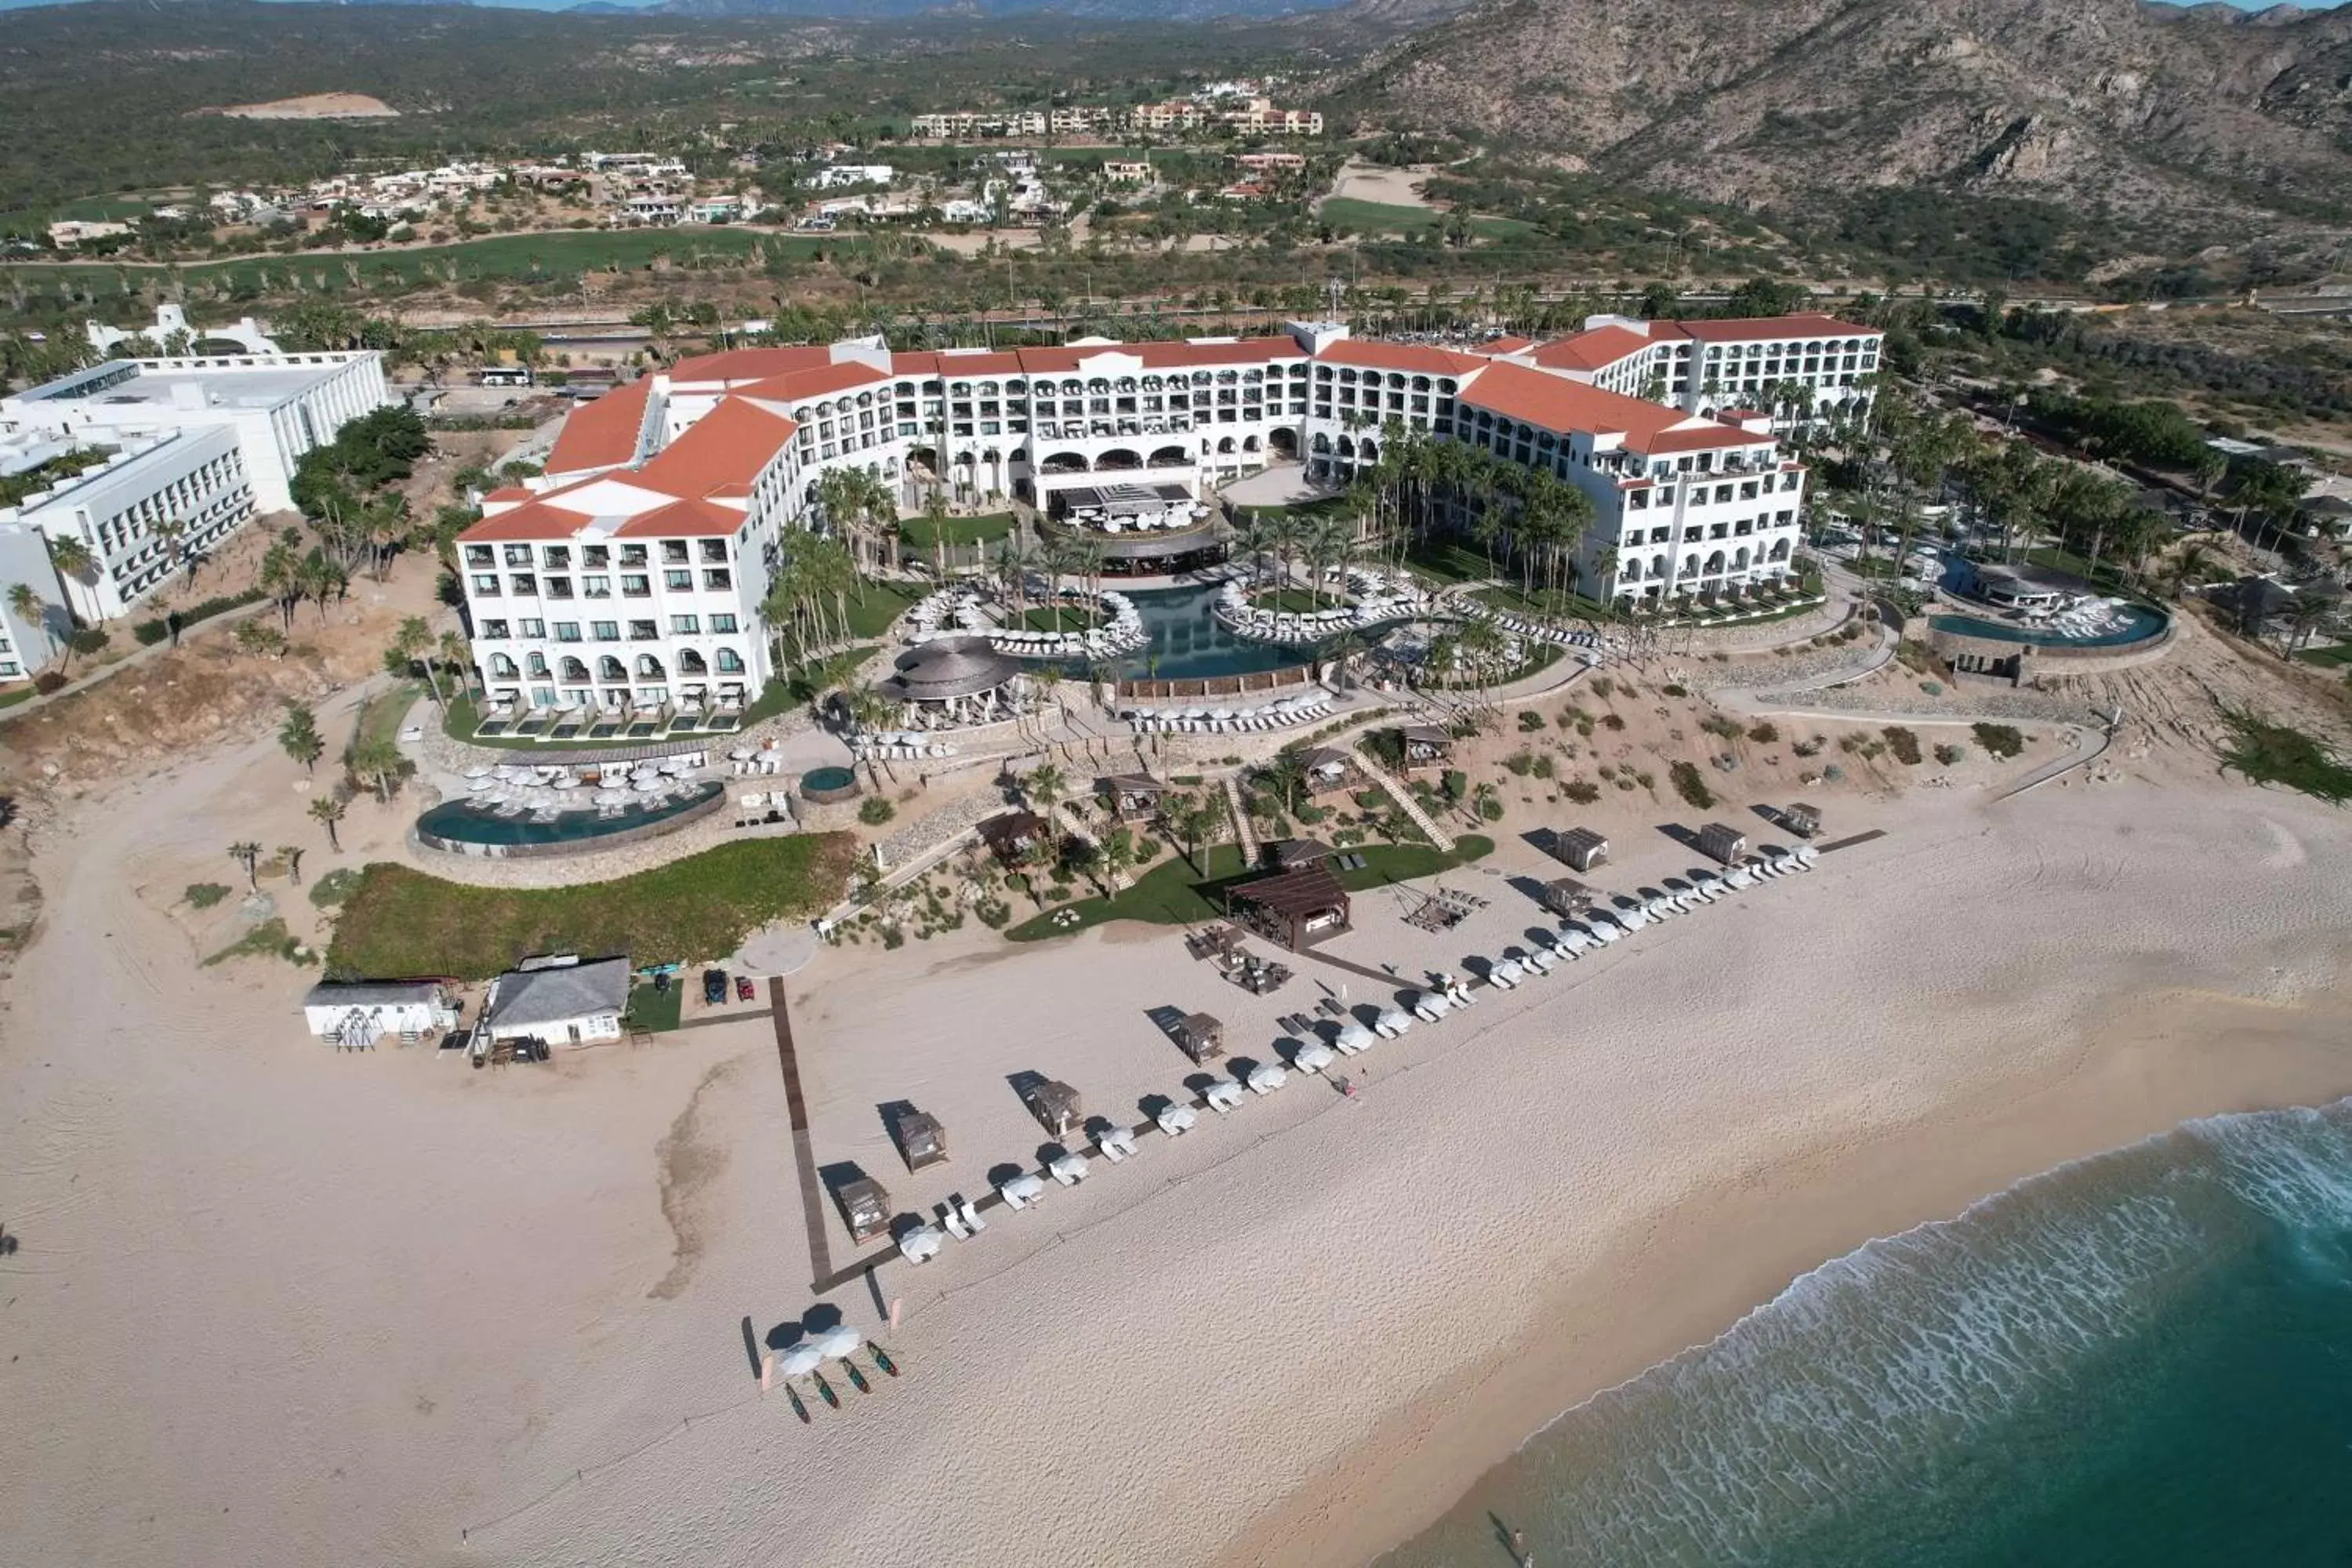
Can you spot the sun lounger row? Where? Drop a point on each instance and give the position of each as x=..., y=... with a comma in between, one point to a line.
x=1546, y=631
x=1228, y=721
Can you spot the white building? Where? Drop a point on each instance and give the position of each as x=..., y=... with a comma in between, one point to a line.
x=839, y=177
x=79, y=231
x=127, y=509
x=279, y=407
x=28, y=642
x=1711, y=367
x=361, y=1013
x=561, y=1002
x=630, y=574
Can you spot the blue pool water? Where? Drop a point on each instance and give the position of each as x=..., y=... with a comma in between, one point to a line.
x=2142, y=1360
x=1184, y=641
x=2140, y=623
x=463, y=822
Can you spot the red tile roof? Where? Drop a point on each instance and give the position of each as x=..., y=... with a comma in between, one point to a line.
x=1595, y=349
x=538, y=521
x=601, y=434
x=726, y=447
x=996, y=361
x=1760, y=329
x=816, y=381
x=684, y=519
x=1415, y=357
x=509, y=492
x=748, y=364
x=1246, y=352
x=1506, y=345
x=1555, y=404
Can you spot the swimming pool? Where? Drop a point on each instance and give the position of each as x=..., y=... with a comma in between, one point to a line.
x=1183, y=639
x=2140, y=622
x=459, y=824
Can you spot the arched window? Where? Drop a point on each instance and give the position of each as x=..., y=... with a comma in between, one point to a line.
x=649, y=667
x=537, y=664
x=729, y=661
x=574, y=672
x=609, y=668
x=690, y=663
x=502, y=668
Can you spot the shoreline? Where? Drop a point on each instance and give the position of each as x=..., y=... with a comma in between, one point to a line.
x=1692, y=1273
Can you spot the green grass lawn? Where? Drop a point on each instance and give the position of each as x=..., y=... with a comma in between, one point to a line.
x=1554, y=602
x=2273, y=753
x=1072, y=619
x=876, y=604
x=557, y=254
x=1446, y=561
x=807, y=683
x=1324, y=506
x=10, y=697
x=2331, y=658
x=1174, y=892
x=401, y=923
x=1294, y=601
x=381, y=717
x=657, y=1011
x=918, y=536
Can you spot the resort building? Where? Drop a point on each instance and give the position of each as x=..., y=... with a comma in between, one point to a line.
x=278, y=406
x=561, y=1003
x=1718, y=367
x=142, y=507
x=630, y=574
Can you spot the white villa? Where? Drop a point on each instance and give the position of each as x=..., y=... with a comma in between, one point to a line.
x=629, y=575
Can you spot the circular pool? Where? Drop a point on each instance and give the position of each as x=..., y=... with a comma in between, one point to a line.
x=1184, y=640
x=826, y=786
x=463, y=827
x=2124, y=624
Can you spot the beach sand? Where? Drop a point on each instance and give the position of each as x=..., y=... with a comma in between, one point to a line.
x=279, y=1305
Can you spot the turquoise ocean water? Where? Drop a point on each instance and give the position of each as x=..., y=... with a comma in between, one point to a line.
x=2142, y=1359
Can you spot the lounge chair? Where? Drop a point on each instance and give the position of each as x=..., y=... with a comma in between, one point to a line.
x=1504, y=976
x=971, y=1220
x=954, y=1223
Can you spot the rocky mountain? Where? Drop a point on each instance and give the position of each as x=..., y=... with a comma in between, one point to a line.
x=2206, y=109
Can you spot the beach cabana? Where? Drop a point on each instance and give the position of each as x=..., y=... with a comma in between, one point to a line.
x=1580, y=847
x=1202, y=1036
x=921, y=1138
x=1804, y=821
x=1055, y=1104
x=865, y=1207
x=1297, y=908
x=1017, y=836
x=1568, y=898
x=1327, y=769
x=1130, y=797
x=1424, y=746
x=1289, y=854
x=1722, y=843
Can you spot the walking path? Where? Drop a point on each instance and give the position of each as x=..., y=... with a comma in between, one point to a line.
x=1243, y=830
x=804, y=1153
x=1404, y=797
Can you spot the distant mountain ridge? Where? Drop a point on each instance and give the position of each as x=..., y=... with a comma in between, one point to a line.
x=2207, y=109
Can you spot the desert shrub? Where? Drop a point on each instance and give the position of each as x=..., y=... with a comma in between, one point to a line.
x=875, y=811
x=992, y=911
x=1811, y=748
x=1721, y=725
x=205, y=895
x=1932, y=687
x=1520, y=763
x=49, y=680
x=332, y=889
x=1764, y=734
x=1904, y=743
x=2001, y=740
x=1675, y=688
x=1611, y=721
x=1457, y=784
x=1691, y=785
x=1951, y=755
x=1490, y=809
x=1529, y=722
x=1833, y=775
x=1543, y=768
x=1584, y=791
x=87, y=640
x=1601, y=686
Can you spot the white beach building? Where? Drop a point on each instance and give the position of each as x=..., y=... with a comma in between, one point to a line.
x=359, y=1013
x=561, y=1003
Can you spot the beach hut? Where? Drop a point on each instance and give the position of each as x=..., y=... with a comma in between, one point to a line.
x=865, y=1207
x=1722, y=843
x=1580, y=847
x=562, y=1001
x=1290, y=854
x=1568, y=898
x=1804, y=821
x=1055, y=1104
x=362, y=1013
x=1130, y=797
x=1328, y=769
x=1016, y=838
x=1424, y=746
x=1202, y=1036
x=952, y=681
x=1297, y=908
x=921, y=1138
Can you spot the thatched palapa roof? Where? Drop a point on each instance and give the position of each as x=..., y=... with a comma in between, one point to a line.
x=951, y=667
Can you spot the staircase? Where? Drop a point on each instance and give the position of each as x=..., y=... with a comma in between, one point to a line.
x=1243, y=831
x=1404, y=797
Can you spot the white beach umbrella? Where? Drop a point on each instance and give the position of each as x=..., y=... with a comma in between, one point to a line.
x=1069, y=1168
x=1395, y=1020
x=1353, y=1036
x=481, y=770
x=800, y=1360
x=840, y=1341
x=1177, y=1119
x=921, y=1244
x=1266, y=1078
x=1025, y=1186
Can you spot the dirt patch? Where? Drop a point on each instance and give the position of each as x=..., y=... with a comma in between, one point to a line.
x=690, y=1162
x=1362, y=182
x=315, y=106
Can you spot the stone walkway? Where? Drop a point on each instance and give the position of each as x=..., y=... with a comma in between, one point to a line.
x=1402, y=796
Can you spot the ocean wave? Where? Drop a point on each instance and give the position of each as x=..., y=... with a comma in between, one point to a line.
x=1866, y=1373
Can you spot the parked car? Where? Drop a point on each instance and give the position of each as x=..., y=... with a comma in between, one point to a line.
x=714, y=986
x=745, y=991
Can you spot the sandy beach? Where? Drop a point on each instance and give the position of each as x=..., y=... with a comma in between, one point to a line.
x=277, y=1305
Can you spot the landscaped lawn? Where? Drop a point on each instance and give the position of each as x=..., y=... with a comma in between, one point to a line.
x=1553, y=602
x=379, y=718
x=806, y=683
x=1295, y=601
x=657, y=1011
x=403, y=924
x=1173, y=892
x=788, y=691
x=20, y=694
x=1448, y=562
x=2341, y=653
x=874, y=606
x=916, y=536
x=1323, y=506
x=1073, y=619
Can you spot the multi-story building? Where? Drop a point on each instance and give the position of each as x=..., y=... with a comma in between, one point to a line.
x=1259, y=117
x=968, y=124
x=1710, y=367
x=686, y=485
x=278, y=406
x=150, y=505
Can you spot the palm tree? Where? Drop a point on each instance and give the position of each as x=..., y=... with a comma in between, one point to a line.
x=410, y=645
x=327, y=811
x=24, y=603
x=377, y=759
x=458, y=657
x=292, y=855
x=1042, y=786
x=73, y=561
x=300, y=736
x=248, y=854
